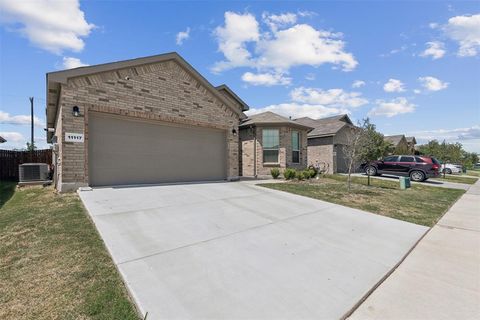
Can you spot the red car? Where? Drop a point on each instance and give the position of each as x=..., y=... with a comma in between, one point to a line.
x=418, y=168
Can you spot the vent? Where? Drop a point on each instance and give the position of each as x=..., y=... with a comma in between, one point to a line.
x=33, y=172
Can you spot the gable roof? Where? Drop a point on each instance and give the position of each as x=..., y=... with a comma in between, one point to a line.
x=2, y=140
x=326, y=126
x=395, y=140
x=232, y=94
x=411, y=140
x=271, y=118
x=55, y=79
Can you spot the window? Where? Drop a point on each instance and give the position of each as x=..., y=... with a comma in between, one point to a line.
x=295, y=147
x=419, y=159
x=270, y=140
x=407, y=159
x=391, y=159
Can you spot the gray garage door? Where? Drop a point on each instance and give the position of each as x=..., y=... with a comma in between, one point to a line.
x=123, y=151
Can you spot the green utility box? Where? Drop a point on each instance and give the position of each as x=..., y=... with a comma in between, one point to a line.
x=404, y=183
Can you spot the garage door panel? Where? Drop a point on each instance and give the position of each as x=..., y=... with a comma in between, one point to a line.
x=125, y=151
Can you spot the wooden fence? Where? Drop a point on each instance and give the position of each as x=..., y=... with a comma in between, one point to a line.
x=10, y=160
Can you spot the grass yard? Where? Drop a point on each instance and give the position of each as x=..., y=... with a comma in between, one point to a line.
x=473, y=173
x=420, y=204
x=455, y=178
x=53, y=264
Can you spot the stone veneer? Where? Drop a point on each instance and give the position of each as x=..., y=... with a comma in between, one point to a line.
x=162, y=91
x=247, y=140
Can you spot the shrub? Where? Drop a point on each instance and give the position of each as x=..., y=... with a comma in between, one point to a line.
x=314, y=169
x=307, y=173
x=275, y=173
x=300, y=175
x=289, y=174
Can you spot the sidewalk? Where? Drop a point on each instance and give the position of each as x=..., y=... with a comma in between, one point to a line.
x=440, y=279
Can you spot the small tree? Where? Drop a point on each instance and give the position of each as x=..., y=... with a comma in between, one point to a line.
x=469, y=159
x=352, y=149
x=445, y=152
x=363, y=144
x=374, y=145
x=31, y=147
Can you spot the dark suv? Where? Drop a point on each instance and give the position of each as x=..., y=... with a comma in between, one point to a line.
x=418, y=168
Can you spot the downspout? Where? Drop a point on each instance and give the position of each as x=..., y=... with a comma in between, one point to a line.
x=254, y=130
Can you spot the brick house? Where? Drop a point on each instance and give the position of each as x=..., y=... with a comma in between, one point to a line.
x=140, y=121
x=268, y=140
x=327, y=140
x=398, y=144
x=411, y=142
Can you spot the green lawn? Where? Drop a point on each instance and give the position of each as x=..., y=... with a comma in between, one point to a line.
x=455, y=178
x=53, y=263
x=420, y=204
x=473, y=173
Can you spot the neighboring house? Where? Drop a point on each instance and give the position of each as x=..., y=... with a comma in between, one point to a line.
x=141, y=121
x=2, y=140
x=398, y=144
x=327, y=140
x=268, y=140
x=411, y=142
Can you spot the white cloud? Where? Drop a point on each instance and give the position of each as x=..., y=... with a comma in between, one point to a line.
x=310, y=77
x=331, y=97
x=465, y=30
x=182, y=36
x=279, y=21
x=296, y=110
x=358, y=84
x=71, y=63
x=433, y=25
x=232, y=38
x=282, y=47
x=304, y=45
x=392, y=108
x=468, y=133
x=469, y=137
x=432, y=84
x=12, y=137
x=393, y=85
x=435, y=49
x=6, y=118
x=417, y=91
x=266, y=79
x=16, y=140
x=315, y=103
x=52, y=25
x=306, y=13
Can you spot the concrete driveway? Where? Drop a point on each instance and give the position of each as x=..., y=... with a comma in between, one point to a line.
x=236, y=250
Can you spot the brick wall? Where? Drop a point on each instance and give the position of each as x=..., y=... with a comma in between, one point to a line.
x=322, y=155
x=285, y=151
x=161, y=91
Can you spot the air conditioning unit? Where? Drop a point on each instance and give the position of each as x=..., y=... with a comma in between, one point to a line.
x=33, y=172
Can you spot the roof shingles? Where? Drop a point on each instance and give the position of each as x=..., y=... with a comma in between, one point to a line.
x=271, y=118
x=325, y=126
x=395, y=140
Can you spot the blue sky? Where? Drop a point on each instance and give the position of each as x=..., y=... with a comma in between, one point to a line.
x=412, y=67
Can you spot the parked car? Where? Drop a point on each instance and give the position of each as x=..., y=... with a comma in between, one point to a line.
x=449, y=168
x=418, y=168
